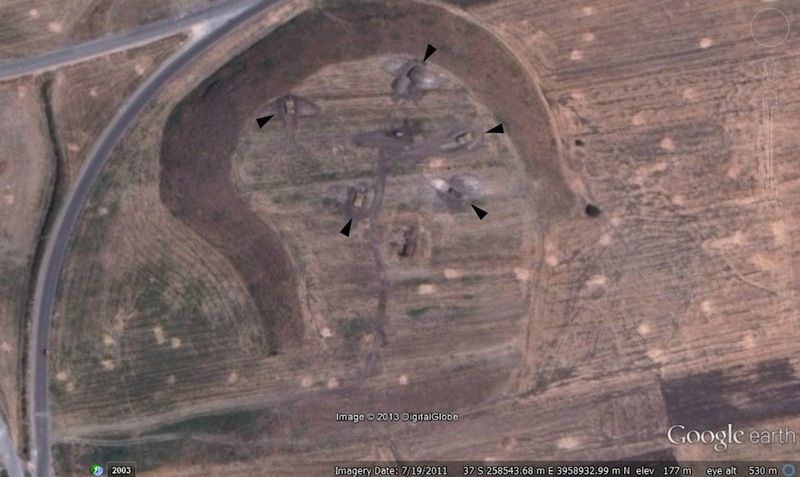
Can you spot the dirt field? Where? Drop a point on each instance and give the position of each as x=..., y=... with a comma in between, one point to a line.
x=34, y=26
x=86, y=96
x=194, y=170
x=551, y=332
x=208, y=334
x=26, y=175
x=48, y=114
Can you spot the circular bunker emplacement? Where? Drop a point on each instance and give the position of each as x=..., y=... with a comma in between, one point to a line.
x=203, y=129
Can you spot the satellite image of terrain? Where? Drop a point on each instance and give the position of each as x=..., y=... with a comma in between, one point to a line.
x=399, y=237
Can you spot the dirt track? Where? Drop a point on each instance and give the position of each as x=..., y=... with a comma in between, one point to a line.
x=205, y=126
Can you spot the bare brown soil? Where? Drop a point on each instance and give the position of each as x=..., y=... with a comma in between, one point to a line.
x=85, y=96
x=684, y=283
x=203, y=131
x=26, y=180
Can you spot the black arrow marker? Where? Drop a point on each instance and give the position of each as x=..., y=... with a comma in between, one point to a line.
x=346, y=230
x=428, y=52
x=497, y=129
x=481, y=213
x=262, y=121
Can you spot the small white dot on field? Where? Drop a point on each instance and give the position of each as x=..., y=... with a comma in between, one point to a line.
x=175, y=342
x=570, y=442
x=667, y=144
x=436, y=163
x=6, y=347
x=588, y=37
x=159, y=334
x=605, y=239
x=734, y=170
x=93, y=92
x=233, y=377
x=451, y=273
x=643, y=329
x=326, y=332
x=33, y=13
x=171, y=379
x=108, y=340
x=551, y=254
x=638, y=119
x=576, y=55
x=403, y=380
x=588, y=10
x=705, y=42
x=749, y=341
x=55, y=27
x=70, y=387
x=779, y=232
x=706, y=307
x=656, y=355
x=426, y=289
x=9, y=198
x=62, y=376
x=139, y=69
x=690, y=94
x=72, y=147
x=678, y=199
x=596, y=281
x=306, y=382
x=522, y=274
x=332, y=383
x=108, y=364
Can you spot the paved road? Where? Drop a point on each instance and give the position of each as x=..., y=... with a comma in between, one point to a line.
x=104, y=45
x=56, y=245
x=8, y=454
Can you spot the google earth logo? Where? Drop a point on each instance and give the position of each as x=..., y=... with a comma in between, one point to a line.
x=96, y=470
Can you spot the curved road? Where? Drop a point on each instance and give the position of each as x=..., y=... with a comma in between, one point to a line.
x=56, y=245
x=122, y=41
